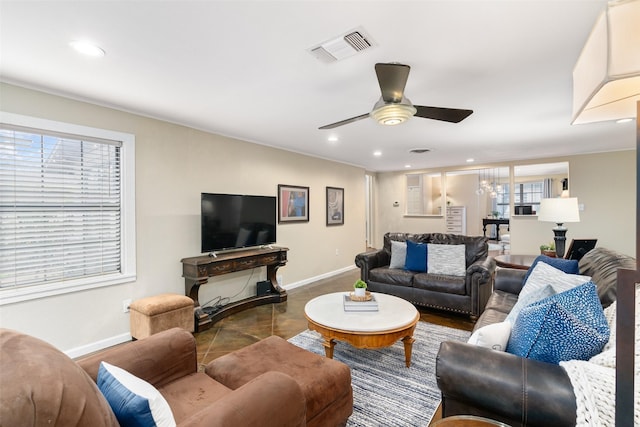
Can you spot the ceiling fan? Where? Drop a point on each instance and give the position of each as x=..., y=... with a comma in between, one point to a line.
x=394, y=108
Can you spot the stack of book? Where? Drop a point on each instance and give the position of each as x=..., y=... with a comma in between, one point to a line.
x=353, y=305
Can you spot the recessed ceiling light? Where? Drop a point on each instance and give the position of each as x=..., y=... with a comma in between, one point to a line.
x=377, y=153
x=332, y=138
x=407, y=166
x=87, y=48
x=471, y=160
x=624, y=120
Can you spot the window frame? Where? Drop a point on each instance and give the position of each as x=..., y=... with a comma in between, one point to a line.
x=127, y=210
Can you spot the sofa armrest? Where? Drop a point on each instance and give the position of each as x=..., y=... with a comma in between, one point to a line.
x=502, y=386
x=158, y=359
x=370, y=260
x=257, y=403
x=479, y=278
x=509, y=280
x=485, y=267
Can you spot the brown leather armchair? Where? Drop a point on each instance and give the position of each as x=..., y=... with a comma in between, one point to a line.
x=40, y=385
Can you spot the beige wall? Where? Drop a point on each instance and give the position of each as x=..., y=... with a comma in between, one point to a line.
x=174, y=164
x=604, y=183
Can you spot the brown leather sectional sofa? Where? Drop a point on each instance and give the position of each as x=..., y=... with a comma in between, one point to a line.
x=467, y=295
x=508, y=388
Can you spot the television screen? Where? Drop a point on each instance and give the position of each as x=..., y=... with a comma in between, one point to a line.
x=231, y=221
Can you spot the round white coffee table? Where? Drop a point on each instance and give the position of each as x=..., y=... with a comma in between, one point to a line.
x=395, y=319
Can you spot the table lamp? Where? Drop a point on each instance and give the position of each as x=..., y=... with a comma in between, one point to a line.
x=559, y=210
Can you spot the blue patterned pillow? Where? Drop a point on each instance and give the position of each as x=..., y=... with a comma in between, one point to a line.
x=416, y=257
x=567, y=326
x=569, y=266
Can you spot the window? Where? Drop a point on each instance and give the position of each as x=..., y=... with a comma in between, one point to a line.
x=528, y=194
x=501, y=202
x=66, y=208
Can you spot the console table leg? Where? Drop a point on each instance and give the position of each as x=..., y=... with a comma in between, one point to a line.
x=408, y=347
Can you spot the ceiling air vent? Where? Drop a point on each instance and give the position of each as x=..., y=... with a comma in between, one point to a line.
x=342, y=47
x=419, y=150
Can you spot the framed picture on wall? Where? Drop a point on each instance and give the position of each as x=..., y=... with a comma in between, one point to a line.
x=293, y=203
x=335, y=206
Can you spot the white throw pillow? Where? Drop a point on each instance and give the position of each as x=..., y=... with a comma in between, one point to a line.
x=529, y=298
x=543, y=274
x=494, y=336
x=398, y=254
x=133, y=400
x=446, y=259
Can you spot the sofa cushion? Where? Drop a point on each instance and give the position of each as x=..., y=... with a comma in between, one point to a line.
x=439, y=283
x=569, y=266
x=446, y=259
x=134, y=401
x=191, y=394
x=398, y=254
x=566, y=326
x=391, y=276
x=501, y=301
x=416, y=259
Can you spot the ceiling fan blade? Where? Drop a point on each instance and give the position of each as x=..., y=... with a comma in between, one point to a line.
x=392, y=79
x=452, y=115
x=344, y=122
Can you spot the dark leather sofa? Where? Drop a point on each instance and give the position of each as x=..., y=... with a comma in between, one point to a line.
x=466, y=295
x=504, y=387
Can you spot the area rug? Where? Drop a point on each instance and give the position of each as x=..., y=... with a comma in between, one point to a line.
x=385, y=391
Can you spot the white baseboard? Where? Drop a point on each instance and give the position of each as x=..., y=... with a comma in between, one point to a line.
x=316, y=278
x=98, y=345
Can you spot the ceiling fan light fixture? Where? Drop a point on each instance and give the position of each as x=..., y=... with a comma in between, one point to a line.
x=393, y=114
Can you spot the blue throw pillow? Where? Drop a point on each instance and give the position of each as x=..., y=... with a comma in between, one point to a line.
x=416, y=257
x=135, y=402
x=570, y=325
x=569, y=266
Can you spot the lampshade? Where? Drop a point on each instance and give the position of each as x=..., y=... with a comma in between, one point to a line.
x=393, y=114
x=559, y=210
x=606, y=77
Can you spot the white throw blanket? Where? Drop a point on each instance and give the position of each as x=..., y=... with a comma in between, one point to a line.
x=594, y=381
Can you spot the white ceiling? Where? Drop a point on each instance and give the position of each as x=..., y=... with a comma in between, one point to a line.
x=242, y=69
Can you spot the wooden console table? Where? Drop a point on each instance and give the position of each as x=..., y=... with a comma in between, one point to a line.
x=497, y=222
x=197, y=270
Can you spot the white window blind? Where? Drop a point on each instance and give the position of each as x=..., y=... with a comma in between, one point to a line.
x=60, y=207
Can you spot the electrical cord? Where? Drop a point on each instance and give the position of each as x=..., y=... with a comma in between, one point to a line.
x=221, y=302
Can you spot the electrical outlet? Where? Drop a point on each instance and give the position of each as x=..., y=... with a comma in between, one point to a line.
x=125, y=305
x=337, y=252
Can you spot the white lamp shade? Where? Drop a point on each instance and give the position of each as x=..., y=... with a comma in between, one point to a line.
x=559, y=210
x=606, y=77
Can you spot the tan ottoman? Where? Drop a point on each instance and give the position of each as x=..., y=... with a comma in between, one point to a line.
x=159, y=313
x=326, y=383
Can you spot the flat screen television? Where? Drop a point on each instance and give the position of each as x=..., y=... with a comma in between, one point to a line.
x=233, y=221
